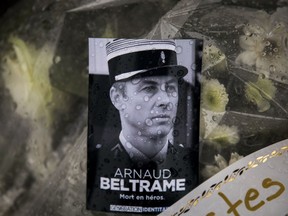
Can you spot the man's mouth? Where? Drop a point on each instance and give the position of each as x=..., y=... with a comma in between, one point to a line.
x=161, y=117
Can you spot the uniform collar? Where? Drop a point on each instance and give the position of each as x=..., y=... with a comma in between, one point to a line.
x=137, y=155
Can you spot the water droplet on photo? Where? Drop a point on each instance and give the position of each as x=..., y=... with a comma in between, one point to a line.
x=149, y=122
x=238, y=89
x=75, y=203
x=178, y=49
x=138, y=123
x=159, y=98
x=135, y=80
x=146, y=98
x=126, y=115
x=175, y=133
x=214, y=118
x=176, y=120
x=188, y=97
x=262, y=76
x=123, y=106
x=248, y=33
x=83, y=166
x=174, y=94
x=152, y=112
x=169, y=106
x=193, y=66
x=191, y=42
x=57, y=59
x=267, y=43
x=128, y=144
x=212, y=57
x=101, y=44
x=159, y=132
x=272, y=68
x=98, y=146
x=180, y=73
x=139, y=133
x=138, y=107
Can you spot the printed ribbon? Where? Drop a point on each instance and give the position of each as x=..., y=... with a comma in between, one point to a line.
x=255, y=185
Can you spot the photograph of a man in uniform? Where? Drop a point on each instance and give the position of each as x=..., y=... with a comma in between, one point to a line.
x=145, y=95
x=132, y=136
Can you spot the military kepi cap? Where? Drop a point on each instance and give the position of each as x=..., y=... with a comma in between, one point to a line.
x=130, y=57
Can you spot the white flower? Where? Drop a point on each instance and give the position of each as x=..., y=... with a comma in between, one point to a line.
x=260, y=93
x=265, y=45
x=220, y=164
x=223, y=136
x=213, y=57
x=213, y=95
x=27, y=78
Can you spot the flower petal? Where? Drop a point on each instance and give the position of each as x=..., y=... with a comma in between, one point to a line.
x=223, y=136
x=220, y=161
x=254, y=95
x=214, y=96
x=266, y=88
x=234, y=157
x=248, y=43
x=247, y=58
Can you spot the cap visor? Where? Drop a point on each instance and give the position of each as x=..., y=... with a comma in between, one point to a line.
x=177, y=71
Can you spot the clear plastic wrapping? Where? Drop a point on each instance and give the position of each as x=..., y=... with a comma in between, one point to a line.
x=44, y=87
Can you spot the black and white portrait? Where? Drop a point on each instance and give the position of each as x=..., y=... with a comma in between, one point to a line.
x=143, y=123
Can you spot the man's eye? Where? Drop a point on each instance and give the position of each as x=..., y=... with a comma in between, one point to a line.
x=171, y=89
x=149, y=89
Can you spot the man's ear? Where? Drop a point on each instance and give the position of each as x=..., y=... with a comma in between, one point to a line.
x=116, y=98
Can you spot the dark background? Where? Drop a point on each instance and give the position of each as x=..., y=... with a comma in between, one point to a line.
x=5, y=4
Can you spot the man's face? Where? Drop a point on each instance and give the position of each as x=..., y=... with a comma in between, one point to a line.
x=150, y=105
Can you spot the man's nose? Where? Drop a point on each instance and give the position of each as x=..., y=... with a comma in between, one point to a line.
x=163, y=99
